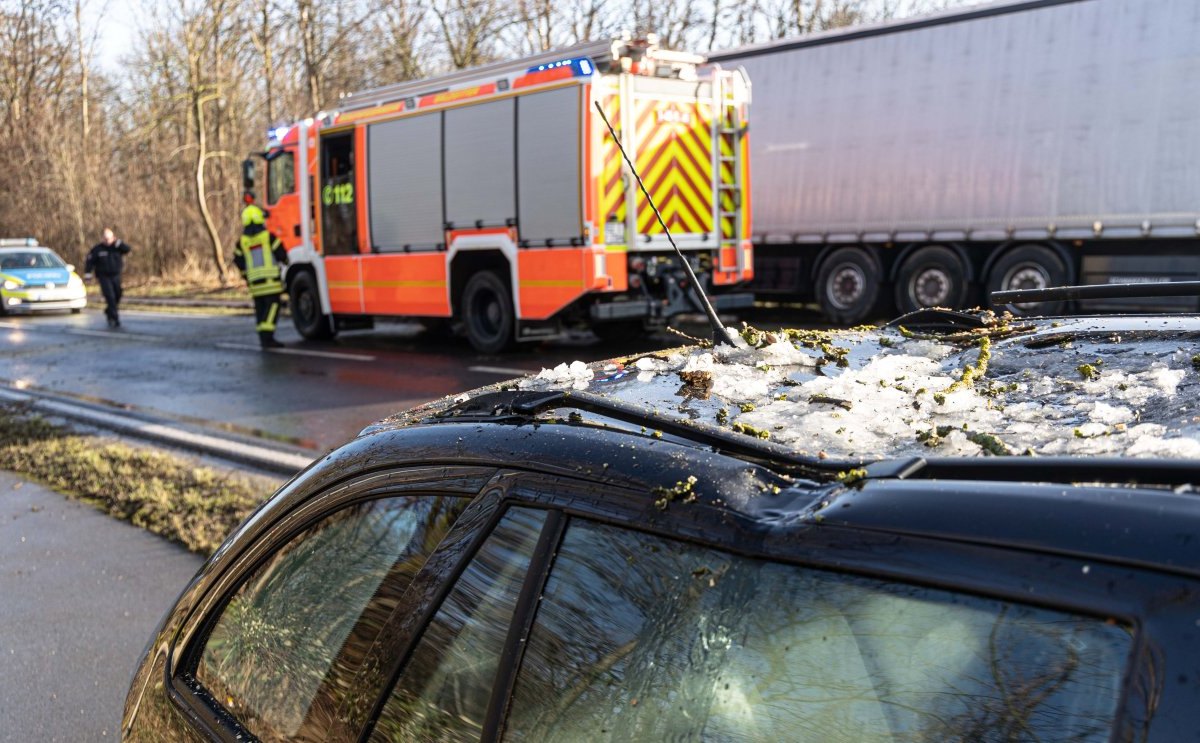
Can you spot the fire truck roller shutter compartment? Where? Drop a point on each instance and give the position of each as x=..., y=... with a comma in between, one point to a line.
x=480, y=165
x=405, y=176
x=548, y=162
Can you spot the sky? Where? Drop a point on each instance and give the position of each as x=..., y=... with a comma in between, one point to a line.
x=115, y=23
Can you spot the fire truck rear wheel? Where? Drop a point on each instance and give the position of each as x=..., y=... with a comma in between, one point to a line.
x=305, y=304
x=486, y=309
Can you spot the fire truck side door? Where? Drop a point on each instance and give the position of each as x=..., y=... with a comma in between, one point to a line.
x=339, y=219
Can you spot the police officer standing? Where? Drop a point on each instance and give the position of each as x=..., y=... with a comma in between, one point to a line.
x=258, y=255
x=106, y=260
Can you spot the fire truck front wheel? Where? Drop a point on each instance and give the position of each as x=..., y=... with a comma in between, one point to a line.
x=305, y=305
x=486, y=310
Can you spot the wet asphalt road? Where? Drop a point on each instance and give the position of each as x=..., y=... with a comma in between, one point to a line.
x=208, y=368
x=80, y=595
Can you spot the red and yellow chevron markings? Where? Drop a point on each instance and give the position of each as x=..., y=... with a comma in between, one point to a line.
x=675, y=160
x=612, y=193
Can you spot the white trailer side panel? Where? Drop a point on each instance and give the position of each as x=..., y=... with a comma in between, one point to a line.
x=1064, y=115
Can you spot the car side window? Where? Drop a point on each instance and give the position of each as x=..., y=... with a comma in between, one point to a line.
x=643, y=638
x=304, y=619
x=443, y=692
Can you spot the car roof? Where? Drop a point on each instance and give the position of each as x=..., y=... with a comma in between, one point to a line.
x=1100, y=400
x=26, y=249
x=1124, y=386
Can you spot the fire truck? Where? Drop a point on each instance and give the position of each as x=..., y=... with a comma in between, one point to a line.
x=496, y=200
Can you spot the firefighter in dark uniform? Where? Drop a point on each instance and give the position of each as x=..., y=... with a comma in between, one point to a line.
x=106, y=260
x=258, y=255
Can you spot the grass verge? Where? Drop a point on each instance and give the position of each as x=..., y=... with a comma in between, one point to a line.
x=133, y=304
x=189, y=503
x=209, y=289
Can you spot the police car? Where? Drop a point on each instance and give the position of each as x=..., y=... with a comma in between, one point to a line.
x=34, y=278
x=959, y=526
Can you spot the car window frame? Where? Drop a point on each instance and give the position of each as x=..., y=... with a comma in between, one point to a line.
x=1025, y=577
x=207, y=715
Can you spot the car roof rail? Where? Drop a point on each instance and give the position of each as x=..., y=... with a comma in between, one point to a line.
x=940, y=318
x=1099, y=291
x=523, y=405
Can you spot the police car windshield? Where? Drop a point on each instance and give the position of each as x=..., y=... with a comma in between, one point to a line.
x=30, y=259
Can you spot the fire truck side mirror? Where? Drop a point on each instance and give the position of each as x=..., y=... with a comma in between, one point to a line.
x=248, y=175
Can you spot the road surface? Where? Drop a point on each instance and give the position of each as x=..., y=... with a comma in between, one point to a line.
x=80, y=595
x=208, y=368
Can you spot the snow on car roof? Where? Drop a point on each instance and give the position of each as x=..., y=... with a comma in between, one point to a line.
x=1088, y=386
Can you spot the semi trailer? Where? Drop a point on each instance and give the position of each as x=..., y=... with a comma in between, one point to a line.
x=1014, y=145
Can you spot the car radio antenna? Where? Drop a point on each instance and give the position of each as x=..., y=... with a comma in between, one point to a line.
x=721, y=334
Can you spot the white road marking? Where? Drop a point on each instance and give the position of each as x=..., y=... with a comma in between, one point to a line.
x=119, y=334
x=300, y=352
x=172, y=315
x=506, y=371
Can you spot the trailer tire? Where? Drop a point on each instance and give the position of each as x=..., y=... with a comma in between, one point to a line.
x=931, y=277
x=1028, y=267
x=848, y=285
x=304, y=301
x=487, y=312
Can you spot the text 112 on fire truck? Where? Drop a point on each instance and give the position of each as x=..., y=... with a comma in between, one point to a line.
x=496, y=198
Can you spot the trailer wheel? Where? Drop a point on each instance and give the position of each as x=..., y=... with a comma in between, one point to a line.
x=1029, y=267
x=931, y=277
x=487, y=312
x=305, y=305
x=848, y=286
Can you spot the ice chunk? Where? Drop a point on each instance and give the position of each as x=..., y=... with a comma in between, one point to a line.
x=1166, y=380
x=576, y=375
x=1110, y=414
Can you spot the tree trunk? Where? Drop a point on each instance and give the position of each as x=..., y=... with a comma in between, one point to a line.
x=198, y=100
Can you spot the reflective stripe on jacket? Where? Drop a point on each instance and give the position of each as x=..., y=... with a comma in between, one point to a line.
x=256, y=258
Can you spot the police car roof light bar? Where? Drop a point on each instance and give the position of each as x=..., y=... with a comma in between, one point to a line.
x=721, y=334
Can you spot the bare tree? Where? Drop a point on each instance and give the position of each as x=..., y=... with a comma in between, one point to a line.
x=402, y=27
x=468, y=28
x=151, y=145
